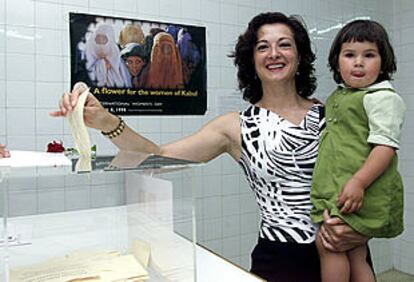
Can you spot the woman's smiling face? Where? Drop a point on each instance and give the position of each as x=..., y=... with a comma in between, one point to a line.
x=275, y=53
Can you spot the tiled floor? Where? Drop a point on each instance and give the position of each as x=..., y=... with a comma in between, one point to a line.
x=394, y=276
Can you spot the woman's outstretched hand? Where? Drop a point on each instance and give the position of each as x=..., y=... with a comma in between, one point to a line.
x=69, y=100
x=94, y=114
x=4, y=153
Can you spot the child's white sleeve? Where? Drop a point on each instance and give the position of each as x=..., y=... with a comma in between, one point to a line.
x=385, y=111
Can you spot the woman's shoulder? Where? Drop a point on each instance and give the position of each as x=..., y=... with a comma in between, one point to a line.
x=228, y=125
x=228, y=120
x=316, y=112
x=225, y=122
x=315, y=102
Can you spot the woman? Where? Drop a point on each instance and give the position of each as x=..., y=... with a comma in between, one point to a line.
x=190, y=55
x=136, y=61
x=131, y=33
x=275, y=140
x=103, y=61
x=165, y=68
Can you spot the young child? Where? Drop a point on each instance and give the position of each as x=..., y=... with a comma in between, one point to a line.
x=356, y=177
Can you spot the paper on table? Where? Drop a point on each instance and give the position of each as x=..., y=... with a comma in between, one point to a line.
x=103, y=267
x=34, y=159
x=141, y=251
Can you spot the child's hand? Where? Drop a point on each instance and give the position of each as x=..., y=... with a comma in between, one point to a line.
x=351, y=196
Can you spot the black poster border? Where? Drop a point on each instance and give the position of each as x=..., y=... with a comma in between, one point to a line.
x=188, y=99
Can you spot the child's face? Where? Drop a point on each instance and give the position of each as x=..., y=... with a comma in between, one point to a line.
x=359, y=63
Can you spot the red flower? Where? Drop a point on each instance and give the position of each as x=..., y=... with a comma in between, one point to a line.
x=55, y=147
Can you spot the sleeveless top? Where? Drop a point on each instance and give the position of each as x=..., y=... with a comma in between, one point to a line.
x=343, y=150
x=278, y=159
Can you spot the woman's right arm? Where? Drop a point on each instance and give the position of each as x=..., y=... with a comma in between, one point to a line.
x=220, y=135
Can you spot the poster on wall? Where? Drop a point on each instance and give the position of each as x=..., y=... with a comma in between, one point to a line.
x=140, y=67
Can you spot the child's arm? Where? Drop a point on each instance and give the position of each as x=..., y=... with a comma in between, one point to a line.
x=352, y=193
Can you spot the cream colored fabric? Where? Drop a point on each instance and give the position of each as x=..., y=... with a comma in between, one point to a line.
x=79, y=132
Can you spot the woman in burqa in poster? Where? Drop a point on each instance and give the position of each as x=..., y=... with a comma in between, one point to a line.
x=165, y=71
x=103, y=61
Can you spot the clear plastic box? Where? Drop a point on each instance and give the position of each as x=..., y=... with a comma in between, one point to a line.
x=131, y=217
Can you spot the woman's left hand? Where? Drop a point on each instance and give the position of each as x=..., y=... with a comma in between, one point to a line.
x=337, y=236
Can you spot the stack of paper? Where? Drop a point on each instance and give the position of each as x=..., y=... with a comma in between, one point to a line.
x=86, y=267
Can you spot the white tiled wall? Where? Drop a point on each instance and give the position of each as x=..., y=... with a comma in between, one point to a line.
x=34, y=71
x=403, y=252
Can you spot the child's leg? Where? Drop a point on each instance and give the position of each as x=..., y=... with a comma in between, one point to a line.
x=334, y=266
x=360, y=269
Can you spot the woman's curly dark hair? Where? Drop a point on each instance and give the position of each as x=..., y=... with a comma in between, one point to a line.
x=249, y=83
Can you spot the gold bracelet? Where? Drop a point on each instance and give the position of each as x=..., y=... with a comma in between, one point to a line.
x=117, y=131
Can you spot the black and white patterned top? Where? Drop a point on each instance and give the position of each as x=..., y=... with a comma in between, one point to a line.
x=278, y=158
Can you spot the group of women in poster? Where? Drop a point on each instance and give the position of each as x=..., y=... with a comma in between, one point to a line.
x=164, y=58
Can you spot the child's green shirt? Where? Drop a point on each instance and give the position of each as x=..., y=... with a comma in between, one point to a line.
x=356, y=121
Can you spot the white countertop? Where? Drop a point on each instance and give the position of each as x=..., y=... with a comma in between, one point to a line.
x=20, y=159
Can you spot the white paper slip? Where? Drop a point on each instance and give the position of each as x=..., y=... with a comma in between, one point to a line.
x=34, y=159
